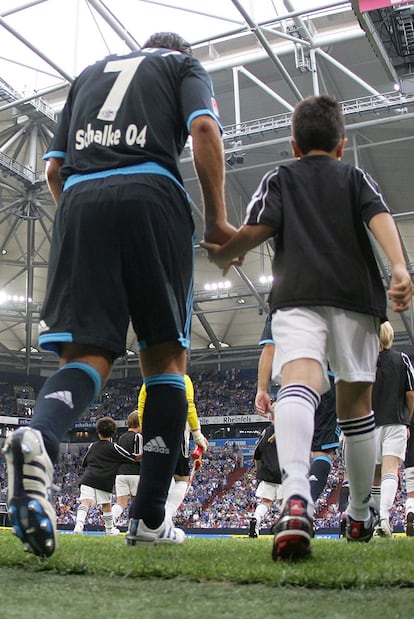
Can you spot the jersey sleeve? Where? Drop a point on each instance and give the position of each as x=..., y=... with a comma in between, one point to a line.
x=265, y=207
x=192, y=416
x=142, y=396
x=197, y=94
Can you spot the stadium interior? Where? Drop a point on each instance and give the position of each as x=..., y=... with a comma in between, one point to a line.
x=263, y=57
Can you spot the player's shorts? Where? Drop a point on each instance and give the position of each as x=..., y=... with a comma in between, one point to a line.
x=326, y=433
x=97, y=497
x=391, y=441
x=183, y=466
x=126, y=485
x=409, y=479
x=348, y=340
x=270, y=491
x=122, y=247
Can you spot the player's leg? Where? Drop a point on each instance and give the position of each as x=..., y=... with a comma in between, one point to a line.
x=105, y=502
x=161, y=318
x=296, y=403
x=163, y=368
x=31, y=452
x=357, y=423
x=409, y=503
x=393, y=452
x=266, y=494
x=87, y=500
x=122, y=492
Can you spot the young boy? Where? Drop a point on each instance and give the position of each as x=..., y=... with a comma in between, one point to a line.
x=328, y=301
x=100, y=465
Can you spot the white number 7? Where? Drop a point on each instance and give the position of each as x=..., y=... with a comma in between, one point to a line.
x=126, y=67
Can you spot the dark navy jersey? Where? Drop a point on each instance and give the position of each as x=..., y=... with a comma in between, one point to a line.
x=266, y=454
x=132, y=109
x=395, y=376
x=101, y=464
x=318, y=208
x=132, y=442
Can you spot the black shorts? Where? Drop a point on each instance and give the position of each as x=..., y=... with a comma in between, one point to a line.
x=122, y=248
x=409, y=455
x=183, y=466
x=326, y=433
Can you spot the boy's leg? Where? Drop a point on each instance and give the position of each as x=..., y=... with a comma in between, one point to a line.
x=357, y=422
x=294, y=426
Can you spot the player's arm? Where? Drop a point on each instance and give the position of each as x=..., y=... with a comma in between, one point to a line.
x=54, y=181
x=247, y=237
x=386, y=233
x=142, y=396
x=262, y=401
x=208, y=153
x=192, y=416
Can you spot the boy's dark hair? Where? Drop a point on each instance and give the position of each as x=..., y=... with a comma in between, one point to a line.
x=169, y=40
x=106, y=427
x=318, y=124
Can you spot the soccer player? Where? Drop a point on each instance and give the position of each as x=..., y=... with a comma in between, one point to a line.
x=127, y=477
x=101, y=463
x=122, y=249
x=325, y=440
x=409, y=481
x=393, y=404
x=181, y=480
x=269, y=489
x=327, y=301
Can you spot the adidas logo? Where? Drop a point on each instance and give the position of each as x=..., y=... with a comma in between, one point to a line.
x=157, y=445
x=63, y=396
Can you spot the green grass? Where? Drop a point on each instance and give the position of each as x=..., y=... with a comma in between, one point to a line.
x=210, y=578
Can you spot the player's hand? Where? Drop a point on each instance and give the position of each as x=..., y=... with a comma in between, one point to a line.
x=200, y=440
x=263, y=404
x=216, y=254
x=401, y=289
x=219, y=232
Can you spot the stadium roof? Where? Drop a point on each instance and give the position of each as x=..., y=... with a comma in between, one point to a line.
x=263, y=57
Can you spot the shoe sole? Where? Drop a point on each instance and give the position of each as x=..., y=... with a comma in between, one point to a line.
x=293, y=545
x=29, y=516
x=32, y=525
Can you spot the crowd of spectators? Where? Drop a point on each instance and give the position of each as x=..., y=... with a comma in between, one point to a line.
x=212, y=500
x=218, y=393
x=222, y=494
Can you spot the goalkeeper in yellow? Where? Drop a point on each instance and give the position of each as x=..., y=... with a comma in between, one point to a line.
x=181, y=480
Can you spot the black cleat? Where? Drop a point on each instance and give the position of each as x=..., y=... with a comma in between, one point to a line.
x=293, y=531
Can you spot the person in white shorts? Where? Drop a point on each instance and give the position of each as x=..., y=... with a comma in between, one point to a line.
x=327, y=301
x=100, y=465
x=127, y=477
x=393, y=403
x=269, y=488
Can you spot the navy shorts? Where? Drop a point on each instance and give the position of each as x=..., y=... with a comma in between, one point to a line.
x=326, y=433
x=122, y=249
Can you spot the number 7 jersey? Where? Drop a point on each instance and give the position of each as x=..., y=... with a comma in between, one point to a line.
x=128, y=110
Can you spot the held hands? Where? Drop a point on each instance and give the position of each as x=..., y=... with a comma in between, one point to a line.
x=401, y=289
x=215, y=238
x=217, y=254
